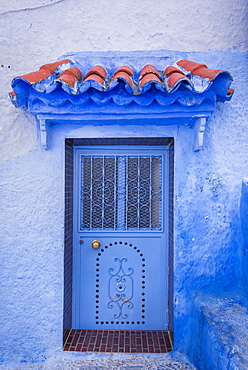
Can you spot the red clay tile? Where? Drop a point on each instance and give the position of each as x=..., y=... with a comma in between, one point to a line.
x=123, y=75
x=168, y=342
x=125, y=69
x=150, y=77
x=66, y=347
x=38, y=76
x=171, y=69
x=207, y=73
x=148, y=74
x=119, y=341
x=149, y=69
x=44, y=71
x=71, y=75
x=200, y=70
x=95, y=77
x=103, y=348
x=92, y=340
x=78, y=347
x=175, y=77
x=97, y=70
x=52, y=66
x=75, y=339
x=189, y=65
x=127, y=349
x=149, y=341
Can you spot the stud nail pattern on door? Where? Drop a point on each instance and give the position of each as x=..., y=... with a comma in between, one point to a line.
x=121, y=193
x=121, y=287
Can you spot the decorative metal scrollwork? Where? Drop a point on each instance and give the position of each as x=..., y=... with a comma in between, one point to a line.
x=121, y=192
x=120, y=289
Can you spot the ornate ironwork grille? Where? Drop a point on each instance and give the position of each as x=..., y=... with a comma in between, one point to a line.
x=121, y=192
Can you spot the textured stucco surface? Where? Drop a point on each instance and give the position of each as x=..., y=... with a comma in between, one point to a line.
x=244, y=233
x=221, y=323
x=207, y=184
x=33, y=33
x=207, y=194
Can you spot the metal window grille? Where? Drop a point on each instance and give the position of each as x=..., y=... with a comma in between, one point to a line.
x=121, y=192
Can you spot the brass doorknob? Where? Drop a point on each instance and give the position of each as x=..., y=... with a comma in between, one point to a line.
x=96, y=244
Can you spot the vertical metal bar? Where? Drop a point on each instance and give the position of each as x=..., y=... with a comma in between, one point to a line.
x=103, y=189
x=80, y=189
x=115, y=198
x=150, y=193
x=121, y=189
x=127, y=190
x=91, y=194
x=162, y=180
x=138, y=207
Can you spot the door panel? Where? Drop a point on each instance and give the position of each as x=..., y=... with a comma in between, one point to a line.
x=120, y=200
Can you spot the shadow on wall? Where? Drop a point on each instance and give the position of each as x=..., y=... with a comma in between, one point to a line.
x=220, y=322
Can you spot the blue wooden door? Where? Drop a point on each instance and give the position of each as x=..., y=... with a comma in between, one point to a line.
x=120, y=238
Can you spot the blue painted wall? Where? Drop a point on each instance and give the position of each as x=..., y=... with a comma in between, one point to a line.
x=207, y=221
x=244, y=234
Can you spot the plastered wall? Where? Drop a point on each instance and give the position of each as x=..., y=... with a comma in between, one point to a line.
x=36, y=32
x=207, y=183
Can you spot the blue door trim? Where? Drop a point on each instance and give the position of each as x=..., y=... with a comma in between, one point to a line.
x=76, y=253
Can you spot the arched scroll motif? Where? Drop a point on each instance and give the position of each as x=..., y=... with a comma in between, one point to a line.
x=120, y=289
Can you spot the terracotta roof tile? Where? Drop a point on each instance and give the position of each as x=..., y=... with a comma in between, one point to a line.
x=149, y=77
x=71, y=76
x=200, y=70
x=125, y=69
x=95, y=77
x=53, y=66
x=124, y=76
x=171, y=69
x=37, y=76
x=96, y=70
x=175, y=77
x=149, y=69
x=68, y=75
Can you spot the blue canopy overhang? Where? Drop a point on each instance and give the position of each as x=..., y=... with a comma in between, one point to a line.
x=100, y=87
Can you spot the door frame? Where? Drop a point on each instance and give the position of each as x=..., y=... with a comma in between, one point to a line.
x=129, y=150
x=70, y=143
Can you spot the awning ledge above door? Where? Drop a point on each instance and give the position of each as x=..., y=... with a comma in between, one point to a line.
x=146, y=89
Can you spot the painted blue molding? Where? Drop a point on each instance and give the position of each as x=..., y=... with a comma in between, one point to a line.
x=140, y=87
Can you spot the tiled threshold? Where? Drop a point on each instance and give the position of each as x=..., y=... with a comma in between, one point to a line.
x=157, y=341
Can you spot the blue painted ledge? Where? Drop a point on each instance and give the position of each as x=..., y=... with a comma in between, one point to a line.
x=220, y=326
